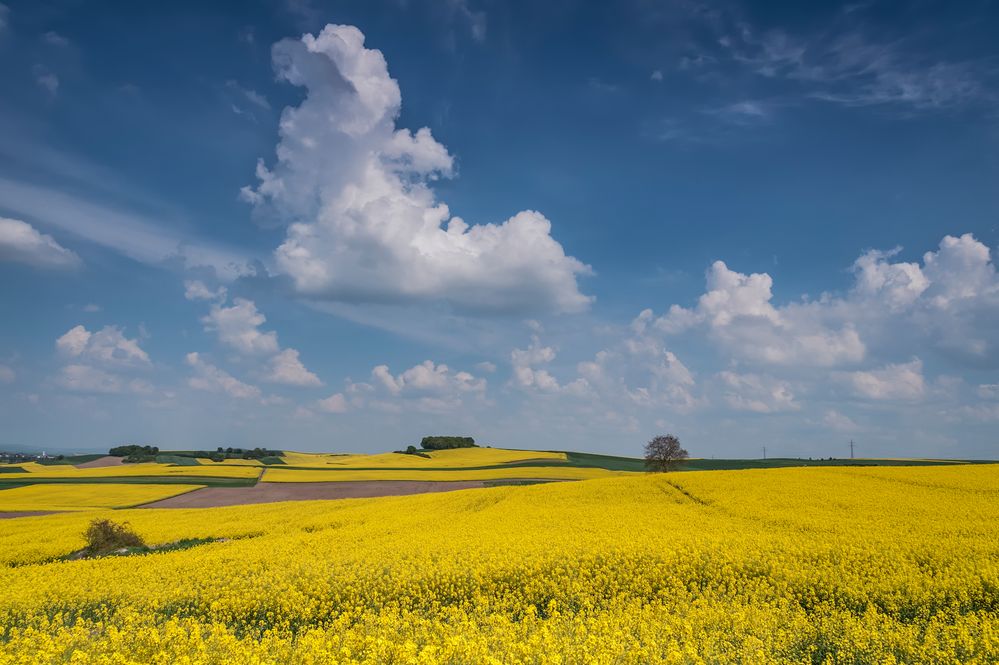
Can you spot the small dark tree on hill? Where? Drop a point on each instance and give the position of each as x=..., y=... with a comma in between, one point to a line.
x=664, y=453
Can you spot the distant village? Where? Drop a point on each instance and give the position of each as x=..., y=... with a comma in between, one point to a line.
x=17, y=458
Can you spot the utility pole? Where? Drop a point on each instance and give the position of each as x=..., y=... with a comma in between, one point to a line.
x=764, y=452
x=851, y=448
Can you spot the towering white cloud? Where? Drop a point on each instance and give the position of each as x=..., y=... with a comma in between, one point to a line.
x=21, y=242
x=356, y=192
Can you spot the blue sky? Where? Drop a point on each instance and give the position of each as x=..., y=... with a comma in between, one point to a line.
x=346, y=225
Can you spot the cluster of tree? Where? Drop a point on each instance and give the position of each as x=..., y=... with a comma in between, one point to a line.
x=664, y=453
x=240, y=453
x=134, y=453
x=447, y=442
x=133, y=449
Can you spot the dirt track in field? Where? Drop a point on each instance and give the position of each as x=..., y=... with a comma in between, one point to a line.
x=210, y=497
x=101, y=462
x=25, y=513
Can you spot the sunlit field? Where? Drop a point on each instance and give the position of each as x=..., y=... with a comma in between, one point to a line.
x=810, y=565
x=67, y=496
x=280, y=475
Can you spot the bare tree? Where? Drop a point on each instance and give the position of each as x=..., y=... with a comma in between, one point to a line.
x=664, y=453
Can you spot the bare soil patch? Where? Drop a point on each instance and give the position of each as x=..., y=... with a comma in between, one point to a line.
x=100, y=462
x=210, y=497
x=25, y=513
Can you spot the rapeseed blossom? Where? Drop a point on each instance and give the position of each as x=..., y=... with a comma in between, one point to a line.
x=816, y=565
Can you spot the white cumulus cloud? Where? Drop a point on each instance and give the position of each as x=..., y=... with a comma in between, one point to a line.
x=903, y=381
x=738, y=313
x=239, y=327
x=21, y=242
x=108, y=345
x=196, y=290
x=286, y=368
x=210, y=378
x=757, y=393
x=335, y=403
x=364, y=224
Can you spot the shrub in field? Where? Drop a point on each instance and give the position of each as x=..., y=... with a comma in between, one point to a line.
x=447, y=442
x=104, y=536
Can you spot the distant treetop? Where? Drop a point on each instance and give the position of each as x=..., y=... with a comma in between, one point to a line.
x=447, y=442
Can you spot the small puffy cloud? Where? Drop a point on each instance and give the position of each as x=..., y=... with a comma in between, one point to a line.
x=427, y=377
x=7, y=375
x=108, y=345
x=364, y=224
x=239, y=327
x=757, y=393
x=196, y=290
x=429, y=387
x=657, y=75
x=527, y=374
x=210, y=378
x=335, y=403
x=92, y=308
x=892, y=382
x=20, y=242
x=286, y=368
x=486, y=366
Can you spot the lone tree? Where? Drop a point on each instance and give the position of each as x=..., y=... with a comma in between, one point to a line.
x=664, y=453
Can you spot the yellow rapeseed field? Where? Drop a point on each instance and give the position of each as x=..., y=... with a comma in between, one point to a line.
x=457, y=457
x=808, y=565
x=40, y=471
x=276, y=474
x=69, y=496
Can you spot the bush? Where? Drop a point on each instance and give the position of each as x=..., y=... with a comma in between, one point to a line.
x=105, y=536
x=447, y=442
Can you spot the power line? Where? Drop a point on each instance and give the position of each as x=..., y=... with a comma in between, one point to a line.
x=851, y=448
